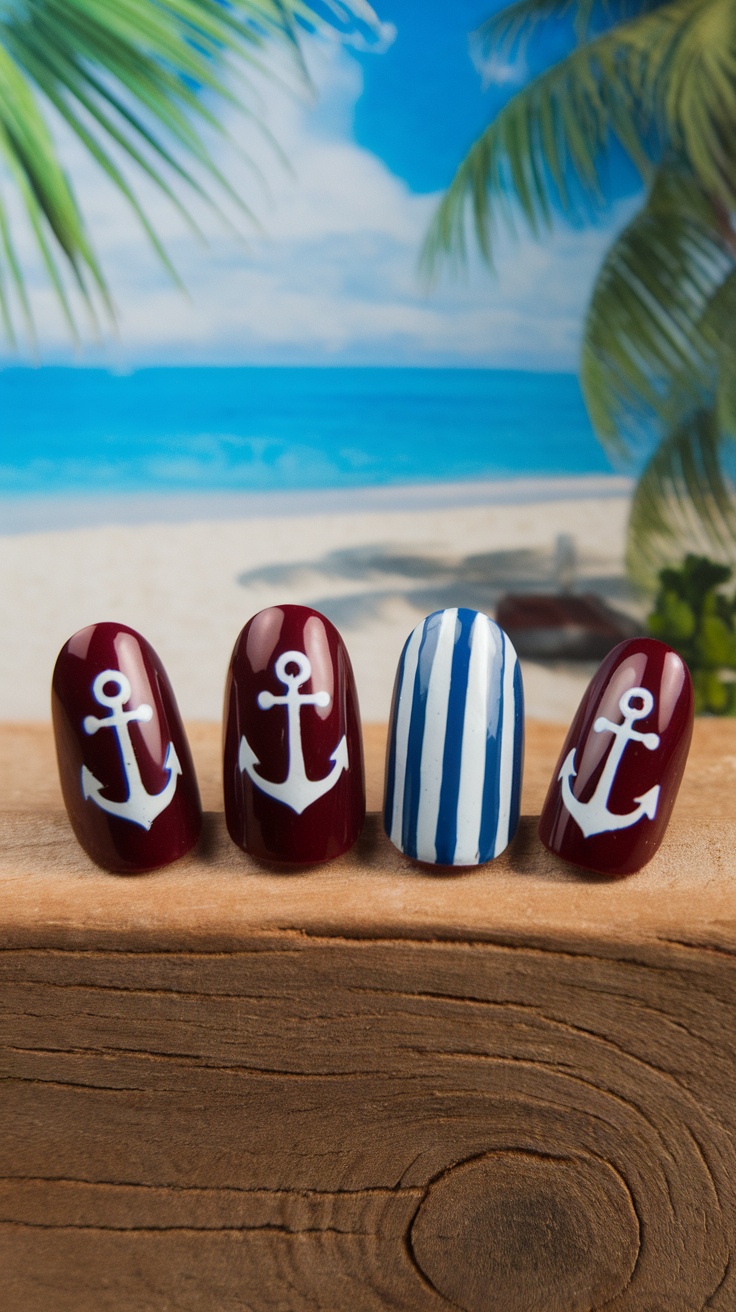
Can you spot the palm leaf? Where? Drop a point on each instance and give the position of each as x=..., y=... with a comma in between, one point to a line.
x=646, y=329
x=27, y=150
x=685, y=495
x=551, y=133
x=658, y=364
x=504, y=32
x=514, y=24
x=685, y=77
x=659, y=352
x=138, y=83
x=719, y=330
x=663, y=80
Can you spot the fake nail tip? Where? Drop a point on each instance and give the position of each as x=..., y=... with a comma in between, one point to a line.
x=125, y=766
x=293, y=749
x=456, y=742
x=619, y=772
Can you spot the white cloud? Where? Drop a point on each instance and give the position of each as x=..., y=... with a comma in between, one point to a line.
x=500, y=72
x=332, y=277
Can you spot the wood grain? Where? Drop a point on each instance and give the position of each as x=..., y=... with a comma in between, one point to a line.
x=370, y=1085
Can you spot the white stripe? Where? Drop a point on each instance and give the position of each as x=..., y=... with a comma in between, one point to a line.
x=404, y=701
x=483, y=652
x=433, y=742
x=508, y=733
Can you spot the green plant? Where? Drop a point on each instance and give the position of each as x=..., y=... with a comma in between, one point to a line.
x=659, y=351
x=139, y=84
x=694, y=615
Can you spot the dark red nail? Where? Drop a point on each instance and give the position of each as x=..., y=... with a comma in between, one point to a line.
x=617, y=778
x=124, y=760
x=293, y=750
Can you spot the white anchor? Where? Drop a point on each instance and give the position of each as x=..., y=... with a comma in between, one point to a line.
x=297, y=791
x=140, y=807
x=594, y=816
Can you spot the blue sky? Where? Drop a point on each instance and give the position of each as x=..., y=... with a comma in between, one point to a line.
x=331, y=277
x=423, y=102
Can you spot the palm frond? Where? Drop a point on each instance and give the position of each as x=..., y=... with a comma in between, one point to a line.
x=646, y=324
x=662, y=80
x=684, y=494
x=684, y=73
x=719, y=328
x=28, y=153
x=139, y=84
x=659, y=352
x=506, y=30
x=554, y=129
x=513, y=25
x=718, y=380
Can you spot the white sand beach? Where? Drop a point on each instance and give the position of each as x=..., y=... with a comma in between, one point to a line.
x=188, y=572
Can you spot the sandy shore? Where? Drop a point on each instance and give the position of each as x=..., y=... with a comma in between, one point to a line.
x=374, y=564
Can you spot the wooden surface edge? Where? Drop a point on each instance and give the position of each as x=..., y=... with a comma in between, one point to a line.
x=219, y=898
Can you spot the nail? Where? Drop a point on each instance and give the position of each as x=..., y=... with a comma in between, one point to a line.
x=124, y=761
x=293, y=750
x=456, y=741
x=617, y=778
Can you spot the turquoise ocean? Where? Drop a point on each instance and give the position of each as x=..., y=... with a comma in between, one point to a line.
x=74, y=431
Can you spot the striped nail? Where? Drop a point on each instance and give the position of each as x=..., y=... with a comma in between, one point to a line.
x=456, y=741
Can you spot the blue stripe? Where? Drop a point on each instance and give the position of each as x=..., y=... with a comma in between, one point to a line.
x=388, y=802
x=518, y=751
x=446, y=833
x=496, y=713
x=412, y=780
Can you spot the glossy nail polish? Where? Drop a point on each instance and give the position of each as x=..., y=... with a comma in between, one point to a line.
x=617, y=778
x=293, y=751
x=456, y=741
x=126, y=770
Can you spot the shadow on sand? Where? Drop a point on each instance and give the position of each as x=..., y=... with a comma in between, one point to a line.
x=382, y=575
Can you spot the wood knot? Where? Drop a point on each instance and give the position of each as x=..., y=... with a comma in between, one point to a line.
x=527, y=1233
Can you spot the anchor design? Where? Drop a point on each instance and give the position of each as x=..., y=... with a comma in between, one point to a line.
x=140, y=807
x=593, y=816
x=297, y=791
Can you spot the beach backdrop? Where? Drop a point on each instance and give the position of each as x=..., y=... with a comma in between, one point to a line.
x=182, y=500
x=304, y=414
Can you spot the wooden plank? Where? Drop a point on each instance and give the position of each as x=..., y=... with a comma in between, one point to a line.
x=369, y=1085
x=52, y=895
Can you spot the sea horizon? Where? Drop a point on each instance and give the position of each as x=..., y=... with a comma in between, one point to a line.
x=79, y=431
